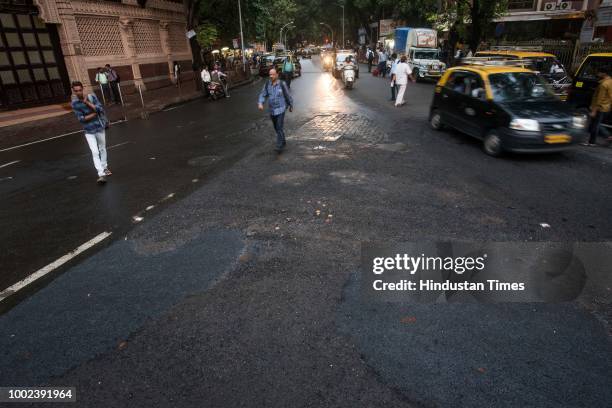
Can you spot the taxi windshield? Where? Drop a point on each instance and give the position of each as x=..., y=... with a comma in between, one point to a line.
x=519, y=86
x=588, y=70
x=343, y=57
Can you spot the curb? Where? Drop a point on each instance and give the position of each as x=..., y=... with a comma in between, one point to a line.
x=199, y=95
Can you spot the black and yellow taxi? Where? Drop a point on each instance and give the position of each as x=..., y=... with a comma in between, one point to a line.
x=280, y=59
x=544, y=63
x=510, y=108
x=585, y=80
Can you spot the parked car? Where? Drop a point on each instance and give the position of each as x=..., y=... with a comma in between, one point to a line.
x=266, y=64
x=508, y=108
x=547, y=65
x=585, y=80
x=280, y=60
x=305, y=53
x=339, y=61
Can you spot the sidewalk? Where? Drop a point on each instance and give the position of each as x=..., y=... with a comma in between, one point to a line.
x=60, y=123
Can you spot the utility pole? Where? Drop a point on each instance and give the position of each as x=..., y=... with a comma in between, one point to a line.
x=241, y=37
x=343, y=42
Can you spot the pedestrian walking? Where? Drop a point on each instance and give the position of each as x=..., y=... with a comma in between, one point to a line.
x=102, y=81
x=600, y=105
x=382, y=62
x=288, y=71
x=393, y=83
x=176, y=72
x=113, y=79
x=206, y=79
x=403, y=73
x=279, y=100
x=370, y=58
x=90, y=112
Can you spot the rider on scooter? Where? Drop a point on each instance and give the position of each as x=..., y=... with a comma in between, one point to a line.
x=220, y=78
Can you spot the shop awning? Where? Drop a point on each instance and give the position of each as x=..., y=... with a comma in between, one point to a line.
x=538, y=15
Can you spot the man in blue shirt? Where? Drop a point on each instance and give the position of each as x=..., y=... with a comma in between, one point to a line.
x=279, y=100
x=90, y=113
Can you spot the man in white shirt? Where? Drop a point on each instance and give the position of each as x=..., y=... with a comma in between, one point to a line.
x=205, y=75
x=402, y=73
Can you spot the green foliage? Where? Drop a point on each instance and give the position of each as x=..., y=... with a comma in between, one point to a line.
x=262, y=19
x=207, y=34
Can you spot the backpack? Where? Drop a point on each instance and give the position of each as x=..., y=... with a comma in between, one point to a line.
x=287, y=66
x=283, y=85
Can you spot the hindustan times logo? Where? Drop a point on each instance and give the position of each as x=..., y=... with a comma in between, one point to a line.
x=413, y=264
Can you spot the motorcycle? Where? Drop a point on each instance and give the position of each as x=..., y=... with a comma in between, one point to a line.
x=348, y=76
x=216, y=90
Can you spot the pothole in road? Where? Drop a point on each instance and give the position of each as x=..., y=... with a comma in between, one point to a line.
x=333, y=126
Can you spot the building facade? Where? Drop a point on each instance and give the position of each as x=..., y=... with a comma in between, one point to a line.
x=46, y=44
x=551, y=19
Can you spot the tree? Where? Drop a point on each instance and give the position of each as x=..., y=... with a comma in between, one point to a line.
x=190, y=7
x=207, y=35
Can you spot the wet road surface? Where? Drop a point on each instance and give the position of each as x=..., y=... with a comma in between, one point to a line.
x=239, y=289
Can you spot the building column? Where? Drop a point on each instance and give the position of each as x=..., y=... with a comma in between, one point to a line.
x=164, y=36
x=539, y=6
x=127, y=37
x=60, y=12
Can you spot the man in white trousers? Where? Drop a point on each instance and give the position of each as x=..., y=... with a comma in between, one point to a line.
x=90, y=113
x=402, y=73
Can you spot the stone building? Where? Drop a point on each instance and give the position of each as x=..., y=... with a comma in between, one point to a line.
x=46, y=44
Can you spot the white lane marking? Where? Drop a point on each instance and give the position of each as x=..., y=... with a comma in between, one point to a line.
x=149, y=208
x=52, y=266
x=51, y=138
x=117, y=145
x=8, y=164
x=137, y=218
x=169, y=109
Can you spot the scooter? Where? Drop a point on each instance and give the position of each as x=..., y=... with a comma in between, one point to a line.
x=216, y=90
x=348, y=76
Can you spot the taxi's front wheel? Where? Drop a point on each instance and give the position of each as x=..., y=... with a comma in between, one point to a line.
x=493, y=144
x=435, y=120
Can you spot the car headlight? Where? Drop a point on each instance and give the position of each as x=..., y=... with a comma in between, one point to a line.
x=579, y=122
x=525, y=124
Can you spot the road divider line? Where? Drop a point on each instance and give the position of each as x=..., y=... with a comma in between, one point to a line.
x=8, y=164
x=117, y=145
x=52, y=266
x=52, y=138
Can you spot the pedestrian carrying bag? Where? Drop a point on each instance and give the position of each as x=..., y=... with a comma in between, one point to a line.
x=282, y=84
x=101, y=116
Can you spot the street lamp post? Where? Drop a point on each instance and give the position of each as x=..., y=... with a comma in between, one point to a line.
x=280, y=37
x=285, y=42
x=330, y=29
x=343, y=42
x=241, y=37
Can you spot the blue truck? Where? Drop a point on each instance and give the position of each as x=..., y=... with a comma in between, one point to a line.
x=420, y=46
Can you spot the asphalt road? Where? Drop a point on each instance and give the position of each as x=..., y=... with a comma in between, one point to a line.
x=240, y=286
